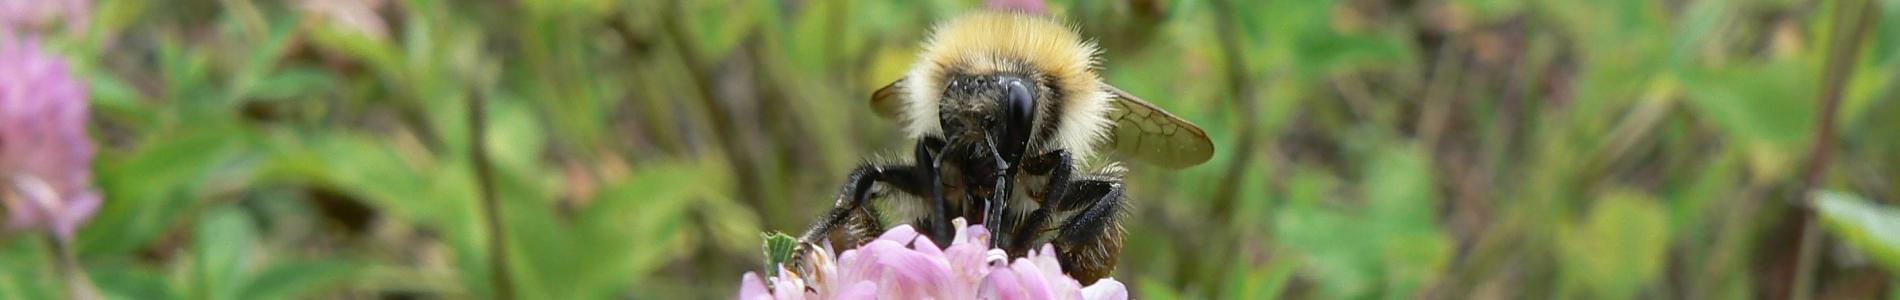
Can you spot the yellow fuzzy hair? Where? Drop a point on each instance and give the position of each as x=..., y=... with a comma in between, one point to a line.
x=1002, y=42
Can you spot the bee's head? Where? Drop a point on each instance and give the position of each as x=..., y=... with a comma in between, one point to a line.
x=998, y=107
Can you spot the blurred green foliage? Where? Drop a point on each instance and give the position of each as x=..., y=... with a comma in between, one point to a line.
x=1366, y=148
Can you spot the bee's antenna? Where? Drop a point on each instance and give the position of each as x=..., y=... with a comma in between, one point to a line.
x=1001, y=164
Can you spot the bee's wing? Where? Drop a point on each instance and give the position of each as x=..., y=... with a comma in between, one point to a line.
x=1149, y=134
x=888, y=101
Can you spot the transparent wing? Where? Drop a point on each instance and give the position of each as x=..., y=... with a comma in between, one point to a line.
x=888, y=101
x=1150, y=134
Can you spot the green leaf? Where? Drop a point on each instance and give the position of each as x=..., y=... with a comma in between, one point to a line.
x=186, y=73
x=288, y=280
x=26, y=269
x=1619, y=248
x=1152, y=288
x=1392, y=246
x=1266, y=282
x=223, y=246
x=293, y=82
x=1872, y=228
x=1324, y=53
x=111, y=95
x=1401, y=191
x=129, y=282
x=403, y=181
x=1885, y=42
x=1767, y=108
x=378, y=54
x=629, y=230
x=261, y=60
x=718, y=26
x=1491, y=10
x=515, y=137
x=148, y=187
x=778, y=250
x=408, y=183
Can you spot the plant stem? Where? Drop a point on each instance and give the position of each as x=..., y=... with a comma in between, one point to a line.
x=1240, y=83
x=1243, y=88
x=729, y=138
x=78, y=285
x=1850, y=31
x=491, y=207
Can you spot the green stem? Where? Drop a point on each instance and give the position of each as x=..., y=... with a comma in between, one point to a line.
x=491, y=207
x=66, y=264
x=1851, y=24
x=1242, y=85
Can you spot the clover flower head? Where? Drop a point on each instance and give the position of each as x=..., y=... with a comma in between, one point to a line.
x=903, y=264
x=45, y=154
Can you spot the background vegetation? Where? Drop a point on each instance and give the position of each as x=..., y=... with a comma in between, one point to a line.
x=1366, y=148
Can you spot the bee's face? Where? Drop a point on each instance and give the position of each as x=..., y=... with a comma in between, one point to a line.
x=997, y=108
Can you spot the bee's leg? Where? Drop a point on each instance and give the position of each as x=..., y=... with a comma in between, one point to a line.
x=1000, y=193
x=999, y=205
x=929, y=157
x=1089, y=242
x=863, y=225
x=857, y=190
x=1058, y=165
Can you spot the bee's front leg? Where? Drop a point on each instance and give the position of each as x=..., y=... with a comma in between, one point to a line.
x=850, y=205
x=1058, y=165
x=929, y=157
x=1089, y=242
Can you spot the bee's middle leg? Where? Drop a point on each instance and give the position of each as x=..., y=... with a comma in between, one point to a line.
x=1058, y=165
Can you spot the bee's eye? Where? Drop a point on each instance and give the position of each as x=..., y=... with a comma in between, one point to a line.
x=1019, y=109
x=1021, y=104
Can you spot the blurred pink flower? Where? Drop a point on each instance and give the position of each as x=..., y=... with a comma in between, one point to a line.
x=903, y=265
x=1035, y=7
x=38, y=15
x=45, y=154
x=355, y=15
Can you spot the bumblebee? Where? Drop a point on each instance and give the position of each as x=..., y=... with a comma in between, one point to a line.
x=1003, y=106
